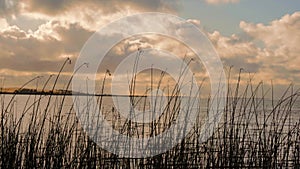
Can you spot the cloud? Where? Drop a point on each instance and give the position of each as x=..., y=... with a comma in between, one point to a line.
x=281, y=39
x=91, y=14
x=194, y=21
x=61, y=29
x=232, y=46
x=269, y=50
x=8, y=7
x=54, y=7
x=215, y=2
x=235, y=51
x=42, y=50
x=3, y=23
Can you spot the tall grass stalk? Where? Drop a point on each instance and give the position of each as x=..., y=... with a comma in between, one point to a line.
x=256, y=131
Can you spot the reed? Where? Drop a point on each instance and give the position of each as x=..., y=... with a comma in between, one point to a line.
x=252, y=133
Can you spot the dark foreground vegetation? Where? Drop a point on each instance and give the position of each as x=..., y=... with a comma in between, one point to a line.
x=255, y=132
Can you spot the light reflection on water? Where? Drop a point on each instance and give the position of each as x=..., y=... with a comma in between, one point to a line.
x=37, y=103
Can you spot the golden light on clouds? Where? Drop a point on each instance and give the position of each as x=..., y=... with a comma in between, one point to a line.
x=36, y=36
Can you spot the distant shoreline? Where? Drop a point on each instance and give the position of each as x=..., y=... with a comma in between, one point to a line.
x=69, y=93
x=66, y=94
x=61, y=94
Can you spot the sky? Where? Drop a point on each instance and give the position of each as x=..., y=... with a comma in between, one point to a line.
x=262, y=37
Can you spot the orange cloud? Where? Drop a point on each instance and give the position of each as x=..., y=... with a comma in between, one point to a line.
x=271, y=51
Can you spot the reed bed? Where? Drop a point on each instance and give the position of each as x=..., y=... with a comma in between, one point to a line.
x=255, y=131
